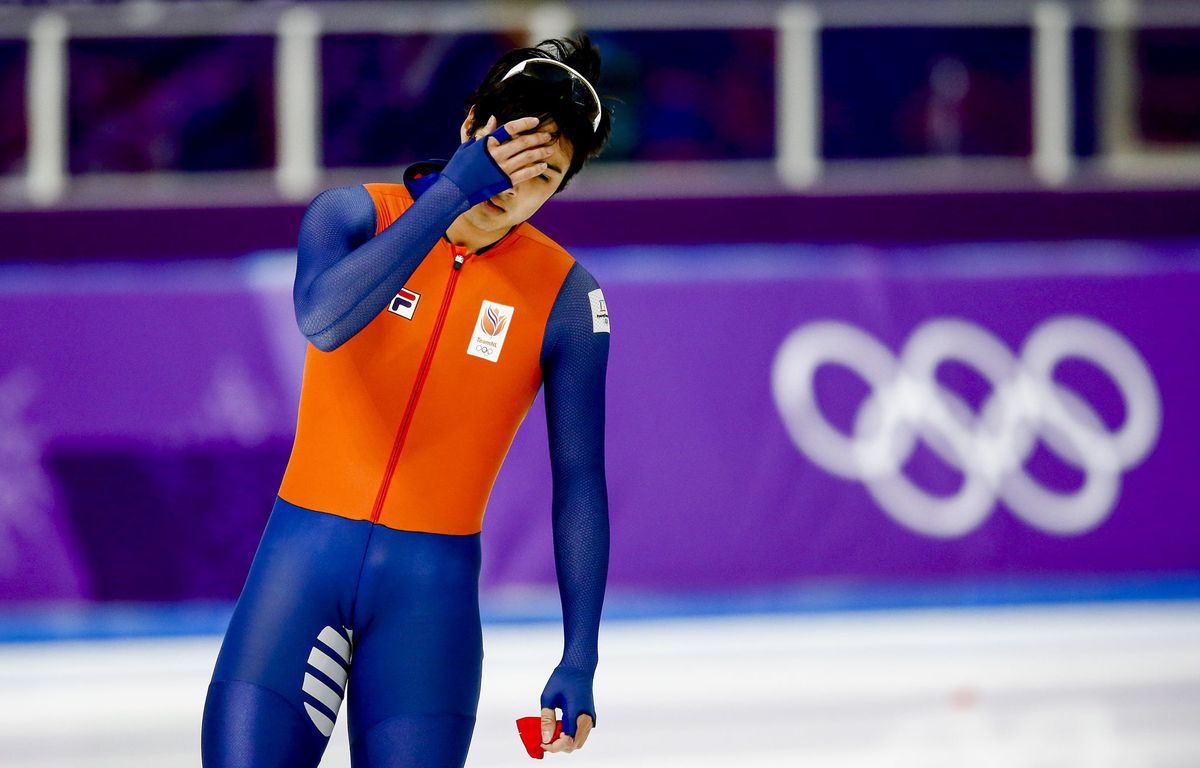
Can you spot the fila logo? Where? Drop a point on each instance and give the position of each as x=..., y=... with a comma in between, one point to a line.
x=491, y=328
x=404, y=303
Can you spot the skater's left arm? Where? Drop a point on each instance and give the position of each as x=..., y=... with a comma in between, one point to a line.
x=574, y=363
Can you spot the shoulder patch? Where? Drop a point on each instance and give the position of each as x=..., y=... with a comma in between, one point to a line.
x=599, y=312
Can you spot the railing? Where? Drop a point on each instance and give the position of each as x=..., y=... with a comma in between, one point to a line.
x=798, y=164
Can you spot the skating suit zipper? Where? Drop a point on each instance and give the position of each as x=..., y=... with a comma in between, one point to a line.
x=422, y=372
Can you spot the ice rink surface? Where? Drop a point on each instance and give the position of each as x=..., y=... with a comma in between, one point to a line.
x=1115, y=684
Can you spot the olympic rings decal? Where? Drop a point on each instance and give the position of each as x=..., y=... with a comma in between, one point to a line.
x=989, y=447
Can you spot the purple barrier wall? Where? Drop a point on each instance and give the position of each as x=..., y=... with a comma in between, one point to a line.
x=1016, y=411
x=778, y=416
x=214, y=232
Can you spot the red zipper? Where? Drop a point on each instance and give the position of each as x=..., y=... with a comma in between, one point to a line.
x=422, y=372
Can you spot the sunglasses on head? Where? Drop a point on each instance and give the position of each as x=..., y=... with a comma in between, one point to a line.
x=551, y=71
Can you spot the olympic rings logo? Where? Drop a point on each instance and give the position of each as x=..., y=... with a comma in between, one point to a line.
x=989, y=447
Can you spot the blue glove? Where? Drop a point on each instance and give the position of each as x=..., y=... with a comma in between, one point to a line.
x=570, y=689
x=475, y=171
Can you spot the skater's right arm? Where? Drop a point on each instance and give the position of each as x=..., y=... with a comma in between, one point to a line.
x=345, y=274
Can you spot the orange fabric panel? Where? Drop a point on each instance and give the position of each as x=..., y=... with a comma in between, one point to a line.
x=470, y=408
x=391, y=200
x=354, y=398
x=350, y=403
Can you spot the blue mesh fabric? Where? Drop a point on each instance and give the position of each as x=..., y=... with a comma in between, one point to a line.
x=408, y=605
x=574, y=362
x=250, y=726
x=345, y=275
x=417, y=740
x=475, y=171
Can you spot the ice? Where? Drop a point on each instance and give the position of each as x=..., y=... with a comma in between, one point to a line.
x=1081, y=686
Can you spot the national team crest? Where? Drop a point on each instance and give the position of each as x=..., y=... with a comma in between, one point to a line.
x=491, y=328
x=493, y=321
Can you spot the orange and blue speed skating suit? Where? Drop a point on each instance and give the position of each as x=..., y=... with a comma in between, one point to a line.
x=423, y=361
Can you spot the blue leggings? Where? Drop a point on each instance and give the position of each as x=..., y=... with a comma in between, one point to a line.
x=336, y=608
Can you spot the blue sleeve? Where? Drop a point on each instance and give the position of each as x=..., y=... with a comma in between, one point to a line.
x=345, y=275
x=574, y=362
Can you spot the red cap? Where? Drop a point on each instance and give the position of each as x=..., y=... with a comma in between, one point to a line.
x=530, y=729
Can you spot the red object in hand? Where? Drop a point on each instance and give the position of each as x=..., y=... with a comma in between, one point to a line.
x=530, y=729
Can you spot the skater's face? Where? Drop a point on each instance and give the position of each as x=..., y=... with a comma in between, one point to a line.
x=516, y=204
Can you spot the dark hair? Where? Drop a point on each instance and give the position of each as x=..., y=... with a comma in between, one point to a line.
x=529, y=97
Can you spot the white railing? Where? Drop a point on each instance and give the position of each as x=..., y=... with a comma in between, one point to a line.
x=798, y=165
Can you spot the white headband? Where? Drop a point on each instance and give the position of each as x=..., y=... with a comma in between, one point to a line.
x=520, y=67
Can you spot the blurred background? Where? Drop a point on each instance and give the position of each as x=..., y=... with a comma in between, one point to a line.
x=902, y=398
